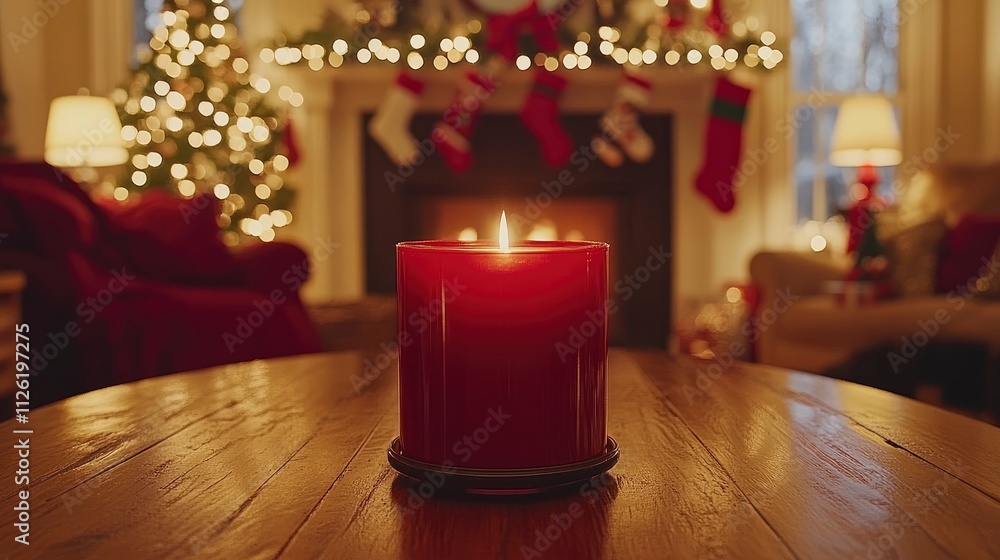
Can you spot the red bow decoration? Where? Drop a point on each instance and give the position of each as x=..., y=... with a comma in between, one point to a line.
x=716, y=20
x=676, y=16
x=504, y=30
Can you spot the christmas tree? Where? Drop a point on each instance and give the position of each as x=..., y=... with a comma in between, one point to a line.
x=196, y=120
x=870, y=262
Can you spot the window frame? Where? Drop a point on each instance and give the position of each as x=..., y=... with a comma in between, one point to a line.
x=821, y=187
x=917, y=99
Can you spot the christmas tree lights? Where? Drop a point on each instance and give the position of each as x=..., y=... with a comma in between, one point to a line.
x=196, y=120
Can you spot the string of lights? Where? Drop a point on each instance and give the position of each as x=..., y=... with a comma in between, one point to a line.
x=625, y=43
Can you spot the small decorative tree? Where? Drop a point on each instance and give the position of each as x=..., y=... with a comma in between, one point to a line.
x=197, y=120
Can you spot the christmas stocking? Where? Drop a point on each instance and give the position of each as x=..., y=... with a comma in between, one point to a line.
x=621, y=124
x=607, y=152
x=541, y=116
x=451, y=134
x=723, y=143
x=390, y=126
x=291, y=146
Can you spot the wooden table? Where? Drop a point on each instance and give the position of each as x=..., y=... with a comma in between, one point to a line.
x=282, y=459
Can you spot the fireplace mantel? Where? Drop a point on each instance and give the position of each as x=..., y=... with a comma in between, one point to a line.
x=328, y=85
x=330, y=179
x=380, y=73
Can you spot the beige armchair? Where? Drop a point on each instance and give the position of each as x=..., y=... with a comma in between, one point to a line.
x=815, y=332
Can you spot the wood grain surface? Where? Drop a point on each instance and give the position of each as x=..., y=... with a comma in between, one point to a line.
x=285, y=459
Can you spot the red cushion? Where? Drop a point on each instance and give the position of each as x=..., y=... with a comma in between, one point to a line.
x=58, y=221
x=173, y=239
x=962, y=250
x=11, y=230
x=219, y=327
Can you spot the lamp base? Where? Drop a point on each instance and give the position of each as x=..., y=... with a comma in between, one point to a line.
x=504, y=481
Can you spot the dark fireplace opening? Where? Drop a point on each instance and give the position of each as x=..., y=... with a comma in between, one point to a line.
x=629, y=207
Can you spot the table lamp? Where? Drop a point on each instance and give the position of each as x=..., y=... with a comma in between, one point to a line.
x=865, y=136
x=84, y=132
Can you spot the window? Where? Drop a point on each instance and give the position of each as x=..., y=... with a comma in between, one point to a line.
x=839, y=48
x=146, y=16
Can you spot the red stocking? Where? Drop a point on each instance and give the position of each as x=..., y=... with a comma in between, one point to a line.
x=541, y=116
x=723, y=144
x=291, y=146
x=452, y=132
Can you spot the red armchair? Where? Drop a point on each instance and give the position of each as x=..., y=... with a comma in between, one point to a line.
x=117, y=293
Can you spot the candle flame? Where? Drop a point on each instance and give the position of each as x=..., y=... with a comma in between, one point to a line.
x=503, y=238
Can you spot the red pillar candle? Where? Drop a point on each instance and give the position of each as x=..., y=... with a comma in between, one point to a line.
x=503, y=354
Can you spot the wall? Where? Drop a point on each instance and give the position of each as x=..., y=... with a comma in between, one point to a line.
x=39, y=63
x=991, y=81
x=965, y=97
x=962, y=78
x=55, y=47
x=86, y=44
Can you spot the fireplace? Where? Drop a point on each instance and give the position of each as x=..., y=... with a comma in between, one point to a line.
x=628, y=207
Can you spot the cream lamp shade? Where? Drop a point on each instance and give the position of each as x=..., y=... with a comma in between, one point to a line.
x=866, y=134
x=84, y=131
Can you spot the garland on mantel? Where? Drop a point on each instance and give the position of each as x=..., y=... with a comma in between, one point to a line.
x=554, y=34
